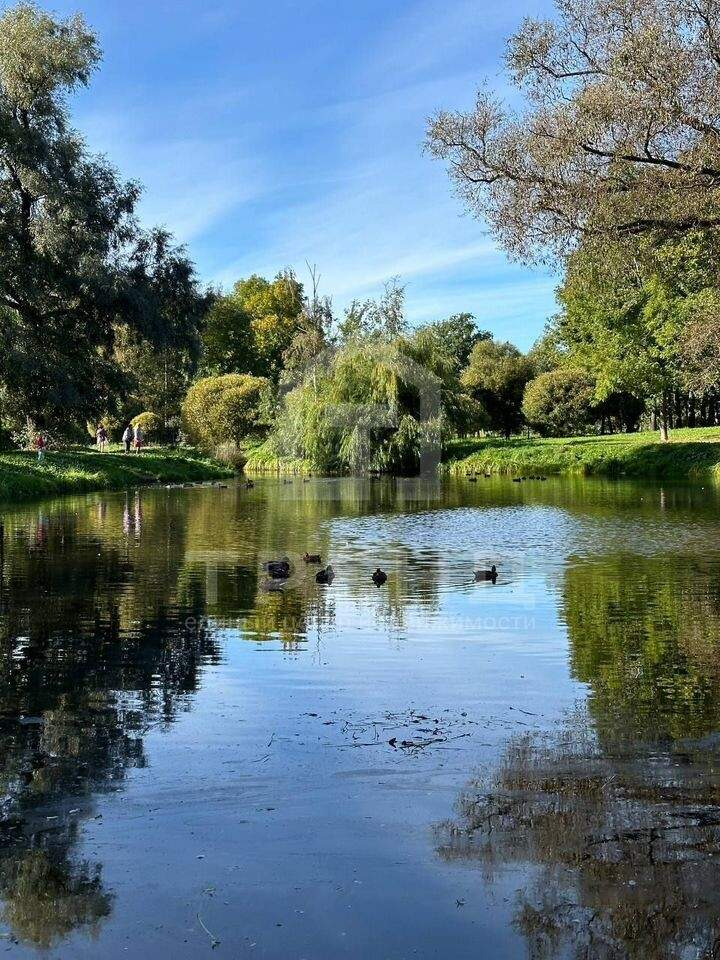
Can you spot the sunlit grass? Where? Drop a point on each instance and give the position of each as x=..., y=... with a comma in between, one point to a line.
x=23, y=476
x=690, y=453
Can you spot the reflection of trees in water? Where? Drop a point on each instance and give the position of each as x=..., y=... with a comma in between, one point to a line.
x=96, y=645
x=621, y=847
x=48, y=895
x=645, y=636
x=617, y=817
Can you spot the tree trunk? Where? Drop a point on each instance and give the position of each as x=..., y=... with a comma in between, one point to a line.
x=664, y=419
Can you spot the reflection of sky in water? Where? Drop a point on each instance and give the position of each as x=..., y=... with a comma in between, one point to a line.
x=245, y=774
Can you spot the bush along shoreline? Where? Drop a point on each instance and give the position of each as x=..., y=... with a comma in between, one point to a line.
x=23, y=477
x=691, y=454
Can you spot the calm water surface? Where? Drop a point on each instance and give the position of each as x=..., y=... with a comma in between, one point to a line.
x=192, y=762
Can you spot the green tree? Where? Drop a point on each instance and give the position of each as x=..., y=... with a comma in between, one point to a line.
x=364, y=406
x=459, y=334
x=249, y=330
x=73, y=262
x=617, y=134
x=624, y=324
x=560, y=402
x=381, y=319
x=434, y=348
x=224, y=409
x=496, y=376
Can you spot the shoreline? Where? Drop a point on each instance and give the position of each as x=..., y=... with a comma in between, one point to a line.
x=83, y=470
x=691, y=454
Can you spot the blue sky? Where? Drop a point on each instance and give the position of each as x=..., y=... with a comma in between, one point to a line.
x=270, y=134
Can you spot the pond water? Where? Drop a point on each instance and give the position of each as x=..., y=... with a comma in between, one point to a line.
x=194, y=762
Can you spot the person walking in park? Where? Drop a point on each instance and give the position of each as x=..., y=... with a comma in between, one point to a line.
x=101, y=438
x=139, y=439
x=40, y=446
x=128, y=438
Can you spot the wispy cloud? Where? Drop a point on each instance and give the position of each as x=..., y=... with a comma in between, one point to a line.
x=274, y=145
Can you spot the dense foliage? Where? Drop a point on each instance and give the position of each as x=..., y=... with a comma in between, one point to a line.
x=560, y=402
x=74, y=264
x=224, y=409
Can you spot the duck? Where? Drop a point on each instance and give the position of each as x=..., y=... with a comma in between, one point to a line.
x=278, y=569
x=312, y=557
x=249, y=485
x=325, y=576
x=379, y=577
x=490, y=574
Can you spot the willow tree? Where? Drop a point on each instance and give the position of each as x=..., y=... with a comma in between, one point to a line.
x=619, y=134
x=364, y=406
x=74, y=263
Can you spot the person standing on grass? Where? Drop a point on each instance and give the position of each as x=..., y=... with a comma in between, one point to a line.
x=40, y=446
x=139, y=438
x=128, y=438
x=102, y=438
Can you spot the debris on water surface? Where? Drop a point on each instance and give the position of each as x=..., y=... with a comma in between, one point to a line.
x=214, y=942
x=407, y=734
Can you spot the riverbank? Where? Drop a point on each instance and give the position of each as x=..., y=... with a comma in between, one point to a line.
x=690, y=454
x=23, y=477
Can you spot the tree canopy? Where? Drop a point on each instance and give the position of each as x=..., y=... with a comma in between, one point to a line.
x=618, y=135
x=74, y=263
x=249, y=330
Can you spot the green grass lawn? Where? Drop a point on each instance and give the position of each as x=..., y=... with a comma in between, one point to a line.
x=22, y=476
x=690, y=454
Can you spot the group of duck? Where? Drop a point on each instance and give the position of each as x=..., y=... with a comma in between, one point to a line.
x=473, y=477
x=282, y=570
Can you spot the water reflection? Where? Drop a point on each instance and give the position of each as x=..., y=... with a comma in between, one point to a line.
x=621, y=847
x=644, y=635
x=617, y=816
x=89, y=658
x=112, y=609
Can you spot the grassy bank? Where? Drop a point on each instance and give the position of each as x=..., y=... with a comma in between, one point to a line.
x=690, y=454
x=22, y=477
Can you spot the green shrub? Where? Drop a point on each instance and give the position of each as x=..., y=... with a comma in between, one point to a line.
x=560, y=402
x=223, y=410
x=149, y=423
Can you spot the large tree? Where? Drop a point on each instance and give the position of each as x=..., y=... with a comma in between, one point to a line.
x=627, y=319
x=495, y=377
x=619, y=133
x=74, y=264
x=249, y=330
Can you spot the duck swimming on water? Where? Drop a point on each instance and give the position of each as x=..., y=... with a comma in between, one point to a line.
x=379, y=577
x=278, y=569
x=312, y=557
x=325, y=576
x=490, y=574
